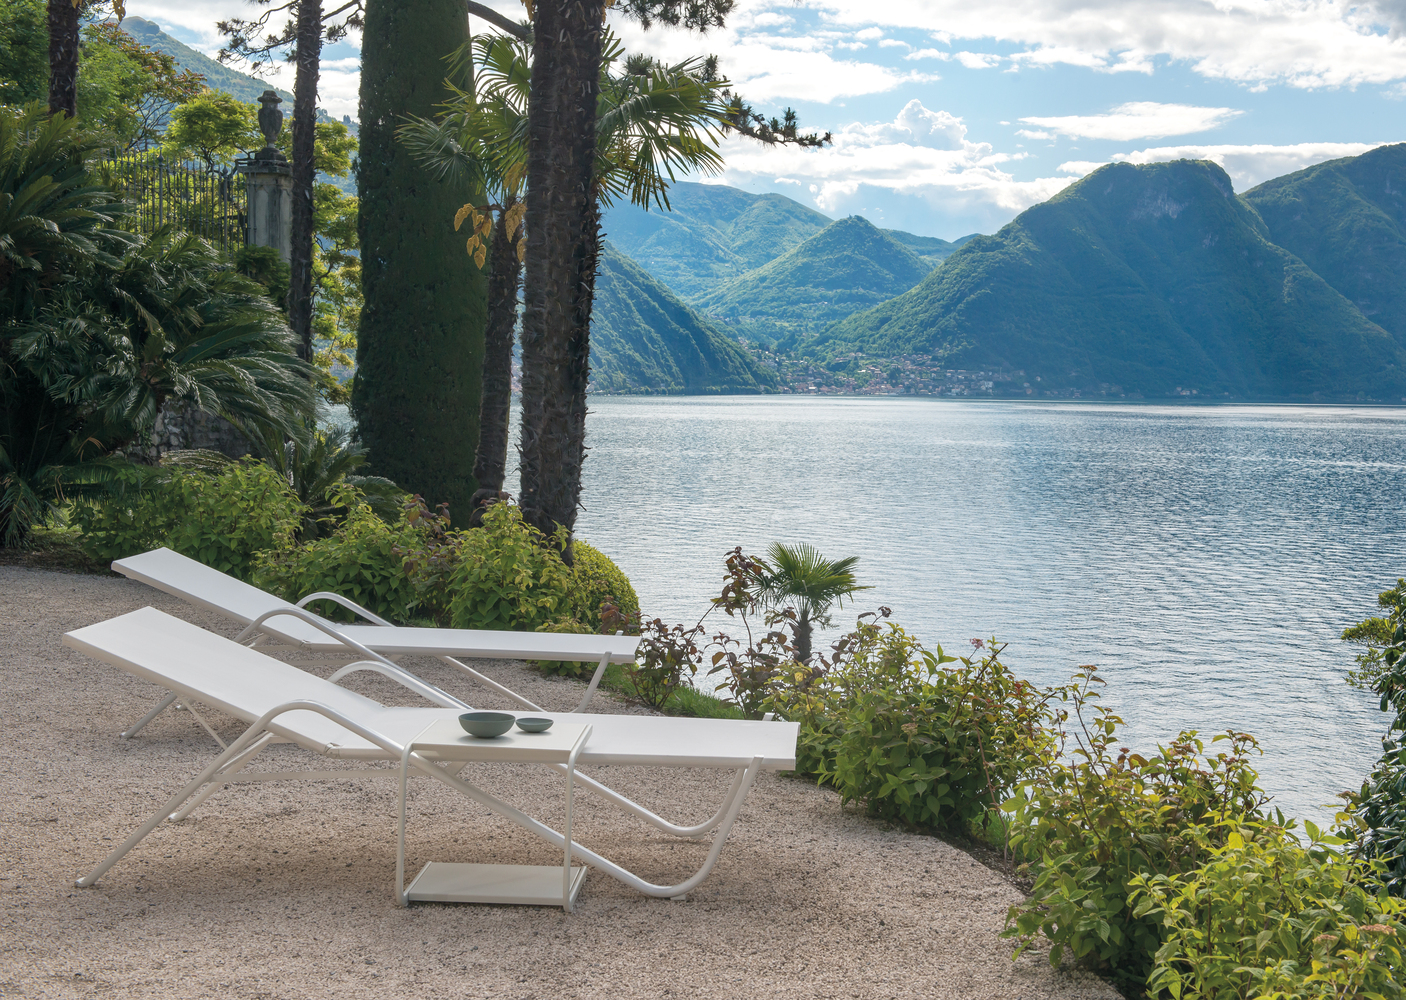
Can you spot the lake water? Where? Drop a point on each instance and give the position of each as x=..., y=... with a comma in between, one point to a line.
x=1205, y=558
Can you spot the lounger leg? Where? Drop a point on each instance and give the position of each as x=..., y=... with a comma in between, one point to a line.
x=161, y=706
x=595, y=683
x=230, y=770
x=610, y=795
x=489, y=682
x=173, y=803
x=733, y=807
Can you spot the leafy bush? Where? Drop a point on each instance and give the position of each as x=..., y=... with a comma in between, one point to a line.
x=507, y=575
x=1378, y=827
x=597, y=581
x=1267, y=916
x=363, y=560
x=889, y=724
x=221, y=520
x=1091, y=822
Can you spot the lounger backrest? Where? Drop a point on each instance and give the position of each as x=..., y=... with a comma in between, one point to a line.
x=198, y=584
x=218, y=672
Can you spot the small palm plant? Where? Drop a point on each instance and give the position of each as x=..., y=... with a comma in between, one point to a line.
x=799, y=577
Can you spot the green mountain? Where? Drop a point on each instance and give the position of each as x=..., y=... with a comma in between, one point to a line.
x=929, y=248
x=217, y=75
x=848, y=266
x=1152, y=280
x=644, y=339
x=710, y=234
x=1346, y=219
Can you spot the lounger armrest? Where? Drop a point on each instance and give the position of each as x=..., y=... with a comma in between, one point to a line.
x=327, y=595
x=428, y=691
x=400, y=676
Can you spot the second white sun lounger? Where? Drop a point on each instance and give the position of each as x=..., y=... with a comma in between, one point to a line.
x=281, y=703
x=271, y=619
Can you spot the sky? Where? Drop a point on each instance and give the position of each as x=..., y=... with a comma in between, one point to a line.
x=952, y=117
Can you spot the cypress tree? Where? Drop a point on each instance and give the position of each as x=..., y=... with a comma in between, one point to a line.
x=419, y=349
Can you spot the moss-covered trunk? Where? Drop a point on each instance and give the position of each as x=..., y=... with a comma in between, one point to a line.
x=420, y=345
x=563, y=240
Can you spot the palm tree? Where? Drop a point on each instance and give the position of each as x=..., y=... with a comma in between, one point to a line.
x=798, y=576
x=654, y=122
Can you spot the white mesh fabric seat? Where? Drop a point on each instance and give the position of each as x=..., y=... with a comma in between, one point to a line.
x=285, y=704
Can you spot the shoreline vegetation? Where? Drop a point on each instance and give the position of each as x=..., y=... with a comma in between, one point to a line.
x=1137, y=865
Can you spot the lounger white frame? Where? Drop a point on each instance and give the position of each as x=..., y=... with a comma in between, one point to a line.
x=285, y=704
x=272, y=620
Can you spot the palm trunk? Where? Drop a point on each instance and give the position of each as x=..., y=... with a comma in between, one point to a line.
x=563, y=239
x=803, y=630
x=309, y=56
x=63, y=57
x=505, y=274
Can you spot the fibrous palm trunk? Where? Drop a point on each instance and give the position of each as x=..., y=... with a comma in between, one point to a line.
x=309, y=56
x=63, y=57
x=504, y=276
x=563, y=239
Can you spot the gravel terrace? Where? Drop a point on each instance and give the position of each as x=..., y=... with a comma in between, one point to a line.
x=285, y=890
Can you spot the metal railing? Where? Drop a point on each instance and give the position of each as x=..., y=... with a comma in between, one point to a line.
x=209, y=201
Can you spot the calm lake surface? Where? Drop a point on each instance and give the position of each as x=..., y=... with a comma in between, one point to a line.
x=1205, y=558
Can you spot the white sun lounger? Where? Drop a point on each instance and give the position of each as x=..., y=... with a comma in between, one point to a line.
x=271, y=619
x=282, y=703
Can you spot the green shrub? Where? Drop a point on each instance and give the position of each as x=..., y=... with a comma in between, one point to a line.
x=1091, y=822
x=222, y=520
x=363, y=560
x=506, y=575
x=1267, y=916
x=596, y=580
x=889, y=724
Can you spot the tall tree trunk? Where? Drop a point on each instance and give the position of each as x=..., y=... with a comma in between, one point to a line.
x=505, y=274
x=563, y=240
x=419, y=349
x=63, y=57
x=309, y=57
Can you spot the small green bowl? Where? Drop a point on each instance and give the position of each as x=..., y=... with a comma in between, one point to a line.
x=486, y=725
x=534, y=725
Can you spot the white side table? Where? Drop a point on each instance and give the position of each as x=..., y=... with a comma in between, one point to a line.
x=531, y=885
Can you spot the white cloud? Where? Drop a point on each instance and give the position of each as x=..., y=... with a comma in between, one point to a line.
x=893, y=43
x=1136, y=120
x=1302, y=43
x=1032, y=134
x=1247, y=165
x=869, y=34
x=929, y=54
x=977, y=60
x=921, y=153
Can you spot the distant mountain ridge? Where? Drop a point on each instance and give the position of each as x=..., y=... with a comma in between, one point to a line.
x=1149, y=280
x=1346, y=219
x=217, y=75
x=848, y=266
x=643, y=338
x=710, y=234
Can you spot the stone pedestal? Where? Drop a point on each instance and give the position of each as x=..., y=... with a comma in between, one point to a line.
x=270, y=179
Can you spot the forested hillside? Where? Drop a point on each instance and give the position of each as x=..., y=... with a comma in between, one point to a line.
x=644, y=338
x=848, y=266
x=1145, y=280
x=710, y=234
x=1346, y=219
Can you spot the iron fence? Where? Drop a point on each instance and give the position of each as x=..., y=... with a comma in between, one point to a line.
x=209, y=201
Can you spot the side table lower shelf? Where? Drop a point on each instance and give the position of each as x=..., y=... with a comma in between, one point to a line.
x=524, y=885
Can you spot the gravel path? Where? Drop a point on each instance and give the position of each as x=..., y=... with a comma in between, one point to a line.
x=284, y=890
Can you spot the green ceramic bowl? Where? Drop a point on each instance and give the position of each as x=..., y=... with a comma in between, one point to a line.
x=486, y=725
x=534, y=725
